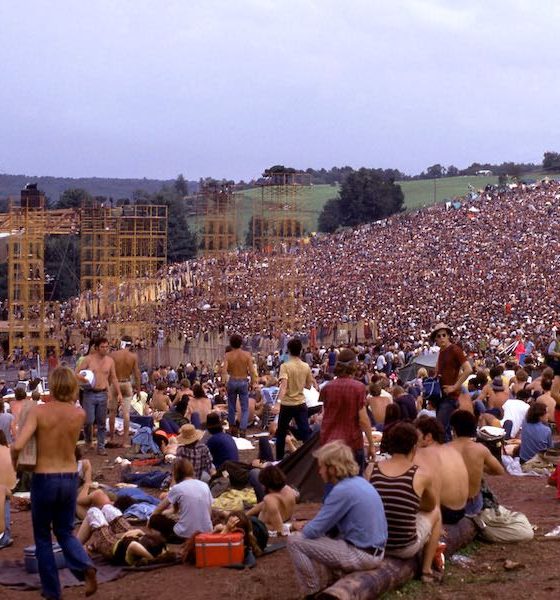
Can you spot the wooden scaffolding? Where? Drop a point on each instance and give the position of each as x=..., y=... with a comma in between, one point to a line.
x=217, y=217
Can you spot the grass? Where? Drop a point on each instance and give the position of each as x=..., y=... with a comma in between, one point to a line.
x=417, y=194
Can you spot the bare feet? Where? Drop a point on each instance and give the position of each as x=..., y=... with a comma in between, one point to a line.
x=90, y=581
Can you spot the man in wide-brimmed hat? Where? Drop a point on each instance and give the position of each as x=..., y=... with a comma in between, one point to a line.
x=452, y=369
x=191, y=448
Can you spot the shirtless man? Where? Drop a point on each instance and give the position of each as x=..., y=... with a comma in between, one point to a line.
x=450, y=475
x=95, y=400
x=495, y=395
x=54, y=486
x=477, y=457
x=377, y=404
x=7, y=483
x=238, y=365
x=279, y=502
x=126, y=365
x=547, y=399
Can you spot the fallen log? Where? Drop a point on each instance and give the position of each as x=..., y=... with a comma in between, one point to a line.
x=394, y=572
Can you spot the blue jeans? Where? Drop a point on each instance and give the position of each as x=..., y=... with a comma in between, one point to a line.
x=444, y=410
x=95, y=405
x=300, y=416
x=53, y=504
x=235, y=388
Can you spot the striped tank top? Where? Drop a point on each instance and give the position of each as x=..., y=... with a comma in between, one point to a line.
x=401, y=504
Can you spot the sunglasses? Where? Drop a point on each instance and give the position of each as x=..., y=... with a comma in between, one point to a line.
x=441, y=335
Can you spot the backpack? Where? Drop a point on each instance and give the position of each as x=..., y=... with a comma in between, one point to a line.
x=431, y=390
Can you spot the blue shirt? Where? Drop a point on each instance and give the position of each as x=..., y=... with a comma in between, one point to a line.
x=355, y=509
x=222, y=447
x=535, y=437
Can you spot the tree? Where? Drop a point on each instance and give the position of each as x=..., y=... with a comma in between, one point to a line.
x=365, y=196
x=435, y=171
x=181, y=185
x=551, y=161
x=452, y=171
x=72, y=198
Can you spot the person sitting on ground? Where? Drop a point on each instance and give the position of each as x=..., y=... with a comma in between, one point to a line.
x=409, y=499
x=348, y=533
x=190, y=447
x=221, y=445
x=536, y=435
x=519, y=382
x=447, y=467
x=187, y=507
x=405, y=402
x=547, y=399
x=277, y=507
x=199, y=403
x=377, y=404
x=160, y=403
x=20, y=406
x=477, y=457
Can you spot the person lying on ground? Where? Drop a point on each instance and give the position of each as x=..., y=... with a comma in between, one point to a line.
x=187, y=507
x=409, y=499
x=101, y=532
x=536, y=435
x=85, y=479
x=278, y=504
x=349, y=532
x=477, y=457
x=446, y=466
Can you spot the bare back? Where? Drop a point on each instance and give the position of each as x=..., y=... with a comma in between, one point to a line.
x=239, y=364
x=126, y=363
x=476, y=457
x=378, y=405
x=58, y=429
x=449, y=473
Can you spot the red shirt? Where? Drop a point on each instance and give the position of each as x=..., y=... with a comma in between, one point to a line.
x=448, y=366
x=342, y=399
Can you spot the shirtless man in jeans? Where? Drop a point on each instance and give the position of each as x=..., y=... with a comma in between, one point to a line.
x=126, y=365
x=95, y=399
x=238, y=366
x=279, y=502
x=448, y=469
x=54, y=485
x=477, y=457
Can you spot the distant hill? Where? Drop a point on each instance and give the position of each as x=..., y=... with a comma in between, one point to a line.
x=10, y=185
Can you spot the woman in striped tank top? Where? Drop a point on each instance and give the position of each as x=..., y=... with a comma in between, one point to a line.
x=406, y=490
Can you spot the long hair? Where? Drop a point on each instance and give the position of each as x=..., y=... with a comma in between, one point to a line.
x=338, y=456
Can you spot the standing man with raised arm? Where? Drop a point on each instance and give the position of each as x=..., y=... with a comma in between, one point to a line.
x=54, y=485
x=238, y=366
x=126, y=366
x=96, y=398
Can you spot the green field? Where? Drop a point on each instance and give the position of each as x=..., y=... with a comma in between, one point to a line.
x=417, y=194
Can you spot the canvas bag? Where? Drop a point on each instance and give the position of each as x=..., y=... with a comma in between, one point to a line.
x=501, y=525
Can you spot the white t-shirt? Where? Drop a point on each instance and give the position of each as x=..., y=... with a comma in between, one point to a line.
x=515, y=411
x=194, y=502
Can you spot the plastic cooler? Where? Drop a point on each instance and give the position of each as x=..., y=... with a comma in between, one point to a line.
x=30, y=558
x=219, y=550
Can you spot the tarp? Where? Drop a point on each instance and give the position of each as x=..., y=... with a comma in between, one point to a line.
x=408, y=372
x=300, y=469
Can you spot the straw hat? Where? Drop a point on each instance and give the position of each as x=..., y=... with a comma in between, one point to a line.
x=439, y=327
x=188, y=434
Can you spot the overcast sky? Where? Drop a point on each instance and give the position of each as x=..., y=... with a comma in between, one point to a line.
x=153, y=88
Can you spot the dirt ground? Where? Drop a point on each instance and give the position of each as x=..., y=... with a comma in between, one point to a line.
x=538, y=575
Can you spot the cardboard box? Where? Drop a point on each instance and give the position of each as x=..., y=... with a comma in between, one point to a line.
x=219, y=550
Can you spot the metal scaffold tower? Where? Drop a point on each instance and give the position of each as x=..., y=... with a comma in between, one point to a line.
x=122, y=249
x=217, y=218
x=26, y=274
x=120, y=246
x=279, y=223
